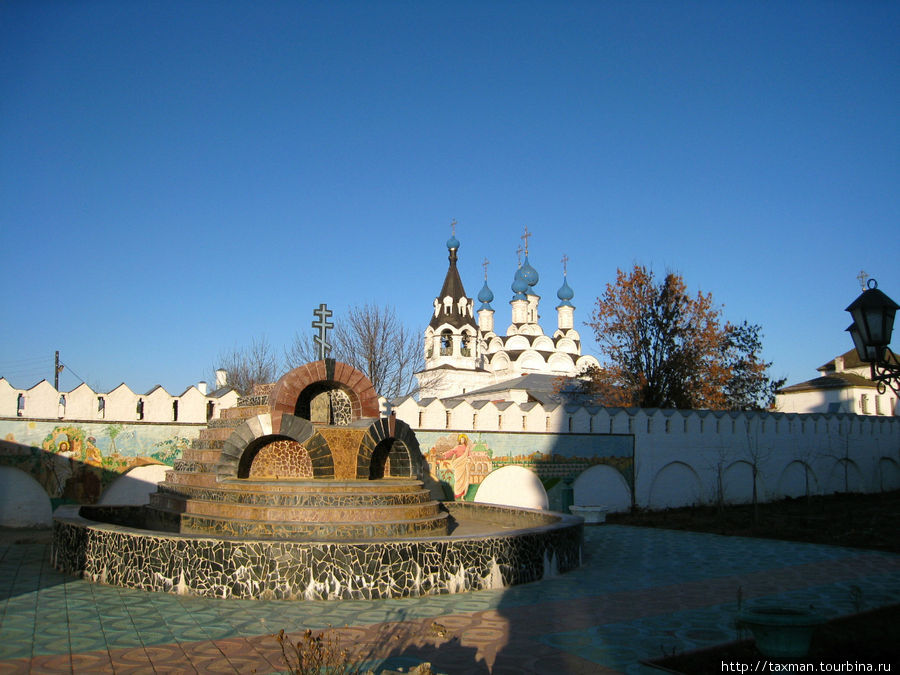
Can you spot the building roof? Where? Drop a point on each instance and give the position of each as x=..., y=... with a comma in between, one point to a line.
x=452, y=287
x=541, y=387
x=831, y=381
x=851, y=360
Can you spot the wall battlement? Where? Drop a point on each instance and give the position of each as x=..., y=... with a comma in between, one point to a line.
x=83, y=404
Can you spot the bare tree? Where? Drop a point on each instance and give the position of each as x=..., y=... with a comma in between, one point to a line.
x=757, y=454
x=248, y=366
x=372, y=339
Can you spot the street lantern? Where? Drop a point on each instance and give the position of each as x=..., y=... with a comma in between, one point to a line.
x=873, y=315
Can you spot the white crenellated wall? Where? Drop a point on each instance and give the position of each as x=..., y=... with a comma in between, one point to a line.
x=42, y=401
x=686, y=457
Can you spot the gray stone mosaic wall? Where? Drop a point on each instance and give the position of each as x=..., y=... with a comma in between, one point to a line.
x=200, y=565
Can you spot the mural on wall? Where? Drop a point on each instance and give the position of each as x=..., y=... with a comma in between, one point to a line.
x=76, y=462
x=463, y=460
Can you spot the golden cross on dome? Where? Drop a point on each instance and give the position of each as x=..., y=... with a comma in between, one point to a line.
x=525, y=239
x=565, y=262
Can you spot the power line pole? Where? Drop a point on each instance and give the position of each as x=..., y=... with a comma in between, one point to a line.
x=57, y=369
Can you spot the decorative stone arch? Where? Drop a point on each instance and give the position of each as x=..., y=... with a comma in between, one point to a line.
x=500, y=361
x=531, y=359
x=797, y=479
x=295, y=389
x=887, y=474
x=388, y=438
x=567, y=345
x=586, y=360
x=248, y=439
x=562, y=363
x=675, y=484
x=543, y=344
x=517, y=343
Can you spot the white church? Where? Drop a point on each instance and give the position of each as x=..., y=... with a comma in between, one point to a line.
x=466, y=358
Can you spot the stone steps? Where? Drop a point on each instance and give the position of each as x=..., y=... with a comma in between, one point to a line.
x=317, y=514
x=243, y=413
x=197, y=455
x=294, y=498
x=205, y=479
x=316, y=531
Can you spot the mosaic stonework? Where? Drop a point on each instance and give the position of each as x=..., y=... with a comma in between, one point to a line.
x=198, y=565
x=341, y=408
x=344, y=446
x=282, y=459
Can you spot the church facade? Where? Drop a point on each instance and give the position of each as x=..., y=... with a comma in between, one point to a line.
x=464, y=353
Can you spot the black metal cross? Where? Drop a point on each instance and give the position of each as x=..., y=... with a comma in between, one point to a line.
x=321, y=339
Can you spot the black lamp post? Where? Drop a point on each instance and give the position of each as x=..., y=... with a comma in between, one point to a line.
x=873, y=322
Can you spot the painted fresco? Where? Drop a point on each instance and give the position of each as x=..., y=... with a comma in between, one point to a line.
x=462, y=460
x=76, y=462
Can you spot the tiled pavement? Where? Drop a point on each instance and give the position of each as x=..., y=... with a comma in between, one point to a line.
x=640, y=592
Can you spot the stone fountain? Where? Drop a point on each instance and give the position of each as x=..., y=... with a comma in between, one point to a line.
x=304, y=491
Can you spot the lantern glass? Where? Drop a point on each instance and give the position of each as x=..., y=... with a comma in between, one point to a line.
x=866, y=353
x=873, y=315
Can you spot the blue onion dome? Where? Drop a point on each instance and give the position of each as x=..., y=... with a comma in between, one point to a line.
x=529, y=273
x=452, y=242
x=485, y=297
x=565, y=294
x=519, y=286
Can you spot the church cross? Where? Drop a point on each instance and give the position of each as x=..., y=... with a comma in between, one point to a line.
x=565, y=262
x=321, y=339
x=519, y=256
x=862, y=277
x=485, y=266
x=453, y=227
x=525, y=239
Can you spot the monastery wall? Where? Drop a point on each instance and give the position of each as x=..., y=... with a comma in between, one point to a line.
x=677, y=458
x=45, y=463
x=43, y=402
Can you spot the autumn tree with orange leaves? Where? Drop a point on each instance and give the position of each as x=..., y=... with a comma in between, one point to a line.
x=665, y=348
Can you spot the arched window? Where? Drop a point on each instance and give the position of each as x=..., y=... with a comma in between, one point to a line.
x=464, y=348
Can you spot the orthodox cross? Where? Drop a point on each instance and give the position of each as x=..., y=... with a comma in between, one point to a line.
x=323, y=325
x=525, y=239
x=485, y=266
x=453, y=227
x=862, y=277
x=565, y=262
x=519, y=256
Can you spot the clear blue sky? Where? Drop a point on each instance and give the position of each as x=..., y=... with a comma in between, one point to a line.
x=177, y=178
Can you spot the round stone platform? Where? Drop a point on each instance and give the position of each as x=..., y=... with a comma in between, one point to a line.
x=302, y=509
x=512, y=546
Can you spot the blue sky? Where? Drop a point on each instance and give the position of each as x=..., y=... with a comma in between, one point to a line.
x=177, y=178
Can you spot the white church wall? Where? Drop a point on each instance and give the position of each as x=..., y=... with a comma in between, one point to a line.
x=43, y=402
x=679, y=455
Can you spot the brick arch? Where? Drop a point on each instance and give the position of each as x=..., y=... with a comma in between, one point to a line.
x=247, y=439
x=404, y=453
x=332, y=374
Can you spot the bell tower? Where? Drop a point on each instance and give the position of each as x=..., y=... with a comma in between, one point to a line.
x=452, y=333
